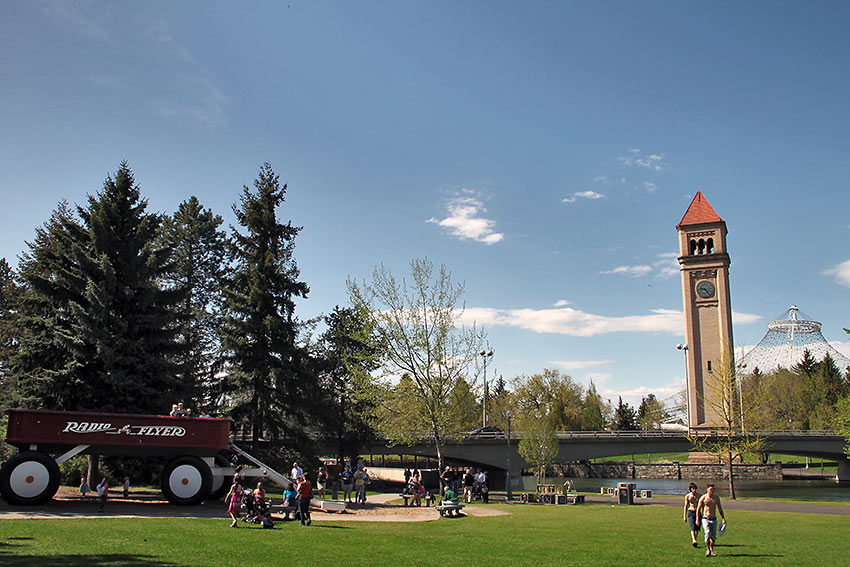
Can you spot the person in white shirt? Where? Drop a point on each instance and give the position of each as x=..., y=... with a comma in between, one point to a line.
x=296, y=473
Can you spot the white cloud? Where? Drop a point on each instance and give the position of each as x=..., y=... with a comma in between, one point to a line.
x=632, y=396
x=561, y=303
x=574, y=322
x=592, y=195
x=650, y=187
x=464, y=219
x=579, y=364
x=841, y=272
x=653, y=162
x=667, y=265
x=577, y=323
x=744, y=318
x=599, y=377
x=633, y=271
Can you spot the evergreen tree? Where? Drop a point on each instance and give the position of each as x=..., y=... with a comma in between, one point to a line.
x=125, y=325
x=349, y=351
x=625, y=418
x=95, y=329
x=198, y=261
x=269, y=380
x=594, y=410
x=9, y=293
x=45, y=367
x=650, y=413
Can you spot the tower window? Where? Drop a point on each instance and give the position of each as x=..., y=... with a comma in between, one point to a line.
x=709, y=366
x=701, y=246
x=709, y=245
x=693, y=247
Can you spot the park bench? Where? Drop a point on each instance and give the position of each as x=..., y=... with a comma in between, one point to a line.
x=449, y=509
x=408, y=499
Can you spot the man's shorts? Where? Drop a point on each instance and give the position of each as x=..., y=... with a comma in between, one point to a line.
x=709, y=526
x=692, y=520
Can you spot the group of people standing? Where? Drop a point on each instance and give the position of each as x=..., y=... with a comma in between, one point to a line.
x=475, y=483
x=354, y=481
x=704, y=510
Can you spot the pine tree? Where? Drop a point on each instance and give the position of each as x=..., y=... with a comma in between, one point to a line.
x=269, y=382
x=196, y=268
x=45, y=367
x=594, y=410
x=125, y=325
x=95, y=331
x=349, y=352
x=625, y=418
x=9, y=294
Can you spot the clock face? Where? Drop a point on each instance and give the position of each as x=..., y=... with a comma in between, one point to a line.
x=705, y=289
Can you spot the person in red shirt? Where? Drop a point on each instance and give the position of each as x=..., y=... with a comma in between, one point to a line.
x=305, y=492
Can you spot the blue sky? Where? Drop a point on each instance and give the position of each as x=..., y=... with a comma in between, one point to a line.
x=544, y=151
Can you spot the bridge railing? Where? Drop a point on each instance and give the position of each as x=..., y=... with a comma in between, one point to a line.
x=657, y=433
x=649, y=434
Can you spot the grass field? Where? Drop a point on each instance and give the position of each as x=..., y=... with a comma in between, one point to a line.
x=593, y=534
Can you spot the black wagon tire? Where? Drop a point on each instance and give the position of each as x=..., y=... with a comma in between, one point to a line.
x=186, y=481
x=220, y=484
x=29, y=478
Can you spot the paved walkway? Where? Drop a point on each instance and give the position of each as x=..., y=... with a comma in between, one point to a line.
x=756, y=505
x=376, y=509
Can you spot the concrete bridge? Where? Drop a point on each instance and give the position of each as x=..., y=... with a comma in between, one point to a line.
x=494, y=451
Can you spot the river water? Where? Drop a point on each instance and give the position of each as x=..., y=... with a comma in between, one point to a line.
x=797, y=489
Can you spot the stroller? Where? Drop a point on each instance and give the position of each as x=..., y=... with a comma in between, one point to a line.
x=257, y=509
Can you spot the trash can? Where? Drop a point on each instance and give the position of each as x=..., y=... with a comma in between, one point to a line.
x=625, y=492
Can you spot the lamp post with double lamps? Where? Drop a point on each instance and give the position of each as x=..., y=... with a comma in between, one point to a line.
x=485, y=354
x=509, y=496
x=685, y=349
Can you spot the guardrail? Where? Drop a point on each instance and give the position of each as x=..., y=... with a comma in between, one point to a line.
x=653, y=434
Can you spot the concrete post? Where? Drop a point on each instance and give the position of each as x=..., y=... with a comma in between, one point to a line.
x=843, y=470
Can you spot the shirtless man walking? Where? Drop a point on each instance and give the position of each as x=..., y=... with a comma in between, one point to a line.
x=691, y=499
x=708, y=507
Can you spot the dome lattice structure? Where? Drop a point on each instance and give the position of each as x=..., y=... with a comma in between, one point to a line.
x=788, y=336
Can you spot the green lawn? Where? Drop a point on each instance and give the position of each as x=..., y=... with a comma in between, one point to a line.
x=593, y=534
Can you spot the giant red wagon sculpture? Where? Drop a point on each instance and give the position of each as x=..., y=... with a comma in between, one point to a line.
x=196, y=447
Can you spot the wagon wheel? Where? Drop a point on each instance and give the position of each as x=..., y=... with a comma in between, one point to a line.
x=220, y=484
x=29, y=478
x=186, y=481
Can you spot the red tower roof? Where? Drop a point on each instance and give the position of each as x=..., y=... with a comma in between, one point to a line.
x=699, y=212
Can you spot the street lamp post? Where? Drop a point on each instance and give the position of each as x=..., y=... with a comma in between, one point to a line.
x=685, y=349
x=485, y=354
x=739, y=370
x=509, y=495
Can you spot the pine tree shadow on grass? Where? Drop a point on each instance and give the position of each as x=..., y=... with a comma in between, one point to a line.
x=91, y=560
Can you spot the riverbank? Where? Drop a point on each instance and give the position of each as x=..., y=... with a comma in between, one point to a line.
x=677, y=471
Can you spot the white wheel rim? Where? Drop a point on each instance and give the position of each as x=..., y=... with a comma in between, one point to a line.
x=29, y=479
x=185, y=481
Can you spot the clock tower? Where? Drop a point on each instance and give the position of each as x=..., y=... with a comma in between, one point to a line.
x=704, y=264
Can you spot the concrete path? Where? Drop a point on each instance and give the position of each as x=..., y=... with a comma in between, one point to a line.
x=837, y=509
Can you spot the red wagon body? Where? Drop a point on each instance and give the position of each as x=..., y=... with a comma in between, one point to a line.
x=117, y=434
x=196, y=450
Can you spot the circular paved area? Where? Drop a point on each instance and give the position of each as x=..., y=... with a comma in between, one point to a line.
x=68, y=504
